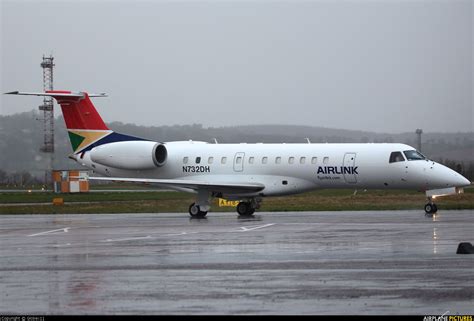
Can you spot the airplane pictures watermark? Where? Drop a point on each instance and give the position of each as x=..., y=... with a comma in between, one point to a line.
x=445, y=317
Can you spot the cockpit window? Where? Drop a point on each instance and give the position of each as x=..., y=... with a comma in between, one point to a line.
x=413, y=155
x=396, y=157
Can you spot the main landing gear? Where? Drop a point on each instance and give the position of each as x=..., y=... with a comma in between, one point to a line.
x=202, y=205
x=195, y=211
x=200, y=208
x=430, y=207
x=247, y=208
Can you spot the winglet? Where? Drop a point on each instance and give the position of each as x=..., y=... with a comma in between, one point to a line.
x=98, y=95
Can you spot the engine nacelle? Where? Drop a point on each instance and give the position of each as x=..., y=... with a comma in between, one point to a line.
x=135, y=155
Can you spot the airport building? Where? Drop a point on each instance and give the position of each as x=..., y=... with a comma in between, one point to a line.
x=70, y=181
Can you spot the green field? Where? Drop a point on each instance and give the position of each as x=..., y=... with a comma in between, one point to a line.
x=165, y=202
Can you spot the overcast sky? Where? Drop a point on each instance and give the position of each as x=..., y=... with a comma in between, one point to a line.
x=385, y=66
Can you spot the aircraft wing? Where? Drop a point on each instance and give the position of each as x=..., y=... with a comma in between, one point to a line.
x=227, y=188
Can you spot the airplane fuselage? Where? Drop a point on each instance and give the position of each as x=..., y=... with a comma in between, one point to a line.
x=292, y=168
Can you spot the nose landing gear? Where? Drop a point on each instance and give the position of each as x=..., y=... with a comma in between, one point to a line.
x=430, y=207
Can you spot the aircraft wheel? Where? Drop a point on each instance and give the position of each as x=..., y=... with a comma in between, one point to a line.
x=431, y=208
x=195, y=211
x=245, y=209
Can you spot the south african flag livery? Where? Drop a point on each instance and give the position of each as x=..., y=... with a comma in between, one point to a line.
x=83, y=140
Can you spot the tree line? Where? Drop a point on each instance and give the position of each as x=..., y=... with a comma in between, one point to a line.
x=21, y=179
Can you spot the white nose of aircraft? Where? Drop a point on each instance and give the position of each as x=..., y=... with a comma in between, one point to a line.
x=449, y=178
x=462, y=181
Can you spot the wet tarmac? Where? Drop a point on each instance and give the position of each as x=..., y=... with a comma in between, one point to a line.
x=377, y=262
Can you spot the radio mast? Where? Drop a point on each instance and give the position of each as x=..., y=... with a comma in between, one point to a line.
x=48, y=118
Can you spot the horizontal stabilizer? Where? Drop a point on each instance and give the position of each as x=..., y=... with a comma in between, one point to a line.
x=56, y=94
x=230, y=188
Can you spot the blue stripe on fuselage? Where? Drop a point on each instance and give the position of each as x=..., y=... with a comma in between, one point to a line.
x=112, y=138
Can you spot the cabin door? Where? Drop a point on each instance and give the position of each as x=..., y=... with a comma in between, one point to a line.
x=349, y=164
x=239, y=162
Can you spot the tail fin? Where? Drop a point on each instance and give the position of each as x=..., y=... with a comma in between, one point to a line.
x=83, y=122
x=79, y=112
x=85, y=127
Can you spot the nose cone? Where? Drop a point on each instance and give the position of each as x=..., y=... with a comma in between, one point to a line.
x=461, y=181
x=451, y=178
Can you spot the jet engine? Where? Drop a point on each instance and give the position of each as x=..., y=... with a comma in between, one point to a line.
x=134, y=155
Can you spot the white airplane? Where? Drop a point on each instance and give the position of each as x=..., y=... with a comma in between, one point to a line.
x=245, y=172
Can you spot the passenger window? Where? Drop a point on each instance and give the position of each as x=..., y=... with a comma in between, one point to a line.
x=413, y=155
x=396, y=157
x=238, y=160
x=291, y=160
x=210, y=160
x=302, y=160
x=314, y=160
x=251, y=160
x=264, y=160
x=185, y=160
x=198, y=160
x=325, y=160
x=223, y=160
x=278, y=160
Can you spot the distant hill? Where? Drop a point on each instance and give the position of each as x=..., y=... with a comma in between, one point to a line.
x=21, y=137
